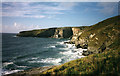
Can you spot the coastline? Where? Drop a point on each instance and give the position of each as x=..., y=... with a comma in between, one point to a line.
x=33, y=71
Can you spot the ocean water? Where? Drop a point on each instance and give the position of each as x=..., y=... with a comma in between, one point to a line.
x=22, y=53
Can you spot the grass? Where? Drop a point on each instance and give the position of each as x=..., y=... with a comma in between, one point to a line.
x=105, y=63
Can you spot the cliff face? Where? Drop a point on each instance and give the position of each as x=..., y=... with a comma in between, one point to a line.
x=98, y=37
x=77, y=31
x=64, y=32
x=47, y=33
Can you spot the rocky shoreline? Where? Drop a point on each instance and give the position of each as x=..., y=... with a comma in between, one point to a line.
x=85, y=52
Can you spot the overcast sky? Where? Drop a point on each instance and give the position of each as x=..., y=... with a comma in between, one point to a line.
x=20, y=16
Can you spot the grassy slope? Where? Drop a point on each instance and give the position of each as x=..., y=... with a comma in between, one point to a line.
x=105, y=33
x=106, y=63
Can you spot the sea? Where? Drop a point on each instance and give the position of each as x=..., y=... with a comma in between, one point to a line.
x=23, y=53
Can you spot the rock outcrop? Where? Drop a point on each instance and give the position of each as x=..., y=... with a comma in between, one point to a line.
x=65, y=32
x=98, y=37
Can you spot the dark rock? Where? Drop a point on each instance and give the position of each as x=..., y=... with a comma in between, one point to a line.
x=78, y=46
x=67, y=32
x=85, y=46
x=86, y=53
x=102, y=48
x=70, y=42
x=47, y=33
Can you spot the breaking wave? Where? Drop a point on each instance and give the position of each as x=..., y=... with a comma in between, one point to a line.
x=55, y=61
x=10, y=72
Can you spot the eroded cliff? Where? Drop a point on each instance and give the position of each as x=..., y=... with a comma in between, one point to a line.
x=98, y=37
x=63, y=32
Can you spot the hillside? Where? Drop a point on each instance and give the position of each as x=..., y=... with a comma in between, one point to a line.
x=100, y=36
x=103, y=54
x=102, y=41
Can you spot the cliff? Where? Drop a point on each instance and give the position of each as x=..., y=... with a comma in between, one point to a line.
x=63, y=32
x=98, y=37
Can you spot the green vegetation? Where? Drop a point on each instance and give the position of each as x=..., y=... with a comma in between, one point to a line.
x=31, y=33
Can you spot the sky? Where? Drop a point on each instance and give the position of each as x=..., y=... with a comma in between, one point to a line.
x=21, y=16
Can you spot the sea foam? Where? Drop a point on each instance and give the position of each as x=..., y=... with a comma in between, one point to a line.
x=10, y=72
x=71, y=52
x=15, y=36
x=51, y=60
x=55, y=61
x=7, y=63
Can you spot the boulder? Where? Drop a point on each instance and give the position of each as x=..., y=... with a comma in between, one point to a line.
x=78, y=46
x=70, y=42
x=86, y=53
x=85, y=46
